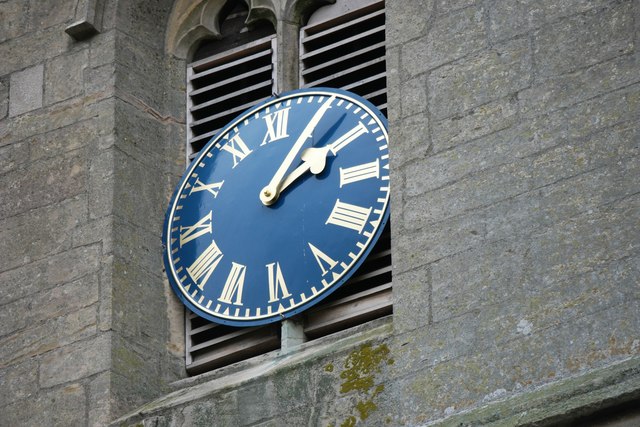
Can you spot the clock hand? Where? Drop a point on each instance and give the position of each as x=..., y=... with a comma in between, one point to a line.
x=314, y=160
x=270, y=193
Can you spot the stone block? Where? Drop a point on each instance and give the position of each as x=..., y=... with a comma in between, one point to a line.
x=475, y=123
x=589, y=191
x=32, y=48
x=43, y=15
x=13, y=15
x=64, y=76
x=140, y=134
x=593, y=115
x=4, y=98
x=25, y=90
x=407, y=21
x=102, y=49
x=98, y=400
x=141, y=24
x=76, y=361
x=146, y=205
x=46, y=337
x=563, y=91
x=606, y=147
x=18, y=382
x=48, y=272
x=414, y=97
x=30, y=236
x=511, y=18
x=43, y=183
x=449, y=37
x=100, y=80
x=413, y=132
x=479, y=79
x=412, y=299
x=475, y=191
x=13, y=156
x=63, y=406
x=450, y=166
x=56, y=117
x=581, y=244
x=83, y=134
x=101, y=183
x=583, y=40
x=48, y=304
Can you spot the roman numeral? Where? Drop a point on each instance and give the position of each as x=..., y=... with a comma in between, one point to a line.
x=360, y=172
x=322, y=259
x=211, y=188
x=191, y=232
x=349, y=216
x=204, y=265
x=238, y=149
x=348, y=137
x=276, y=282
x=276, y=125
x=234, y=284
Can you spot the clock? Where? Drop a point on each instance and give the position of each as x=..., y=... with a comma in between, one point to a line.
x=280, y=208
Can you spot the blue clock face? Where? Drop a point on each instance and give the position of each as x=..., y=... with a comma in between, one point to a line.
x=280, y=208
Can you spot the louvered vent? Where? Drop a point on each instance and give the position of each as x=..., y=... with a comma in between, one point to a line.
x=224, y=85
x=210, y=345
x=347, y=52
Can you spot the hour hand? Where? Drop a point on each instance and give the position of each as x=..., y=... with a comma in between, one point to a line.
x=313, y=160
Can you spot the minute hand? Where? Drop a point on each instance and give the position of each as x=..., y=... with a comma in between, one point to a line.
x=270, y=193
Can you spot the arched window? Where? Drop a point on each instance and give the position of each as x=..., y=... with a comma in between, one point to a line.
x=341, y=46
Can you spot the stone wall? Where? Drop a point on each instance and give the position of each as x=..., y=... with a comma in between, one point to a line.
x=86, y=167
x=515, y=129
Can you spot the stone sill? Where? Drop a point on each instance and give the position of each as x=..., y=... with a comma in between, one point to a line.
x=192, y=389
x=559, y=402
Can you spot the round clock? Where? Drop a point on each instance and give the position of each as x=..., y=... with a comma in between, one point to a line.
x=280, y=208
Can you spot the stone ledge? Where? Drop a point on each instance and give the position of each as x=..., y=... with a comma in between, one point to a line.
x=203, y=386
x=561, y=401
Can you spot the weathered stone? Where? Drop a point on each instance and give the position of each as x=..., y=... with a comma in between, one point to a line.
x=566, y=90
x=31, y=49
x=49, y=304
x=403, y=25
x=414, y=134
x=42, y=15
x=51, y=271
x=449, y=37
x=412, y=300
x=64, y=77
x=101, y=183
x=43, y=183
x=18, y=382
x=25, y=90
x=75, y=361
x=4, y=98
x=414, y=97
x=56, y=117
x=469, y=193
x=479, y=79
x=63, y=406
x=584, y=40
x=29, y=237
x=12, y=156
x=98, y=400
x=48, y=336
x=477, y=122
x=13, y=16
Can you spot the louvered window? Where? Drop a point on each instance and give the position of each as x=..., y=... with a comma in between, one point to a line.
x=348, y=52
x=226, y=84
x=345, y=51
